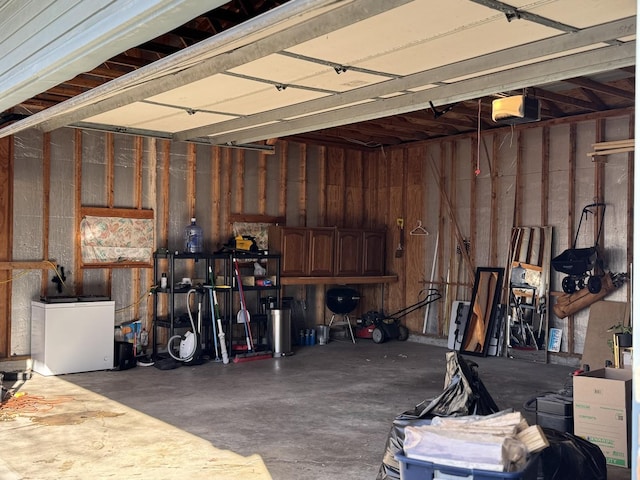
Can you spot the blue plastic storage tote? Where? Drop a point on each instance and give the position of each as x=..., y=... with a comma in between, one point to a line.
x=411, y=469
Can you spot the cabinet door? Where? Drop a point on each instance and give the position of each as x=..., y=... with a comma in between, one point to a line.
x=373, y=256
x=293, y=247
x=349, y=252
x=321, y=244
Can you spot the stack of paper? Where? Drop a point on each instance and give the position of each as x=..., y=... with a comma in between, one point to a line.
x=496, y=442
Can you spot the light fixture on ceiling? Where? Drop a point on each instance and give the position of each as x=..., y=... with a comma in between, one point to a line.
x=280, y=87
x=340, y=69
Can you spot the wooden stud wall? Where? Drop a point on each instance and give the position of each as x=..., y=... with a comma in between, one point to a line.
x=368, y=189
x=6, y=241
x=46, y=199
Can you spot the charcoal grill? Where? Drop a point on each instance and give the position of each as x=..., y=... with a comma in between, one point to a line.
x=342, y=301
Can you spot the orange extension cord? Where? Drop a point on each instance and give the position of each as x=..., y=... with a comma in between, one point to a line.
x=18, y=403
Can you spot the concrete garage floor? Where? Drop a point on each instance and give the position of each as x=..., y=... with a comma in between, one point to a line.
x=322, y=413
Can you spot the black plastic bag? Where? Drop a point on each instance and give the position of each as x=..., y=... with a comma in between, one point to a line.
x=569, y=456
x=465, y=394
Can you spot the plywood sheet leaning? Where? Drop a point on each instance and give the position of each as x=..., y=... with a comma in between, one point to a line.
x=602, y=316
x=569, y=304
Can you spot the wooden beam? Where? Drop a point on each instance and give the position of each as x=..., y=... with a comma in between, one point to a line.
x=136, y=281
x=110, y=194
x=442, y=265
x=137, y=164
x=256, y=218
x=565, y=99
x=238, y=182
x=473, y=215
x=282, y=181
x=353, y=196
x=116, y=212
x=262, y=183
x=601, y=87
x=6, y=241
x=216, y=185
x=338, y=280
x=46, y=209
x=322, y=188
x=28, y=265
x=630, y=202
x=110, y=162
x=225, y=221
x=164, y=191
x=302, y=186
x=153, y=194
x=544, y=181
x=517, y=214
x=191, y=179
x=495, y=196
x=598, y=184
x=613, y=151
x=77, y=161
x=452, y=216
x=614, y=144
x=571, y=220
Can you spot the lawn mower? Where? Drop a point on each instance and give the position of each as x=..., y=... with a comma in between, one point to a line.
x=380, y=327
x=582, y=264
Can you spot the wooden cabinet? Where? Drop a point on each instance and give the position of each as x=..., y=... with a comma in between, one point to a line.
x=293, y=241
x=348, y=252
x=329, y=251
x=373, y=252
x=320, y=251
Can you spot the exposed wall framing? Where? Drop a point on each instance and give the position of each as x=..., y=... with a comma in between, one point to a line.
x=530, y=175
x=6, y=241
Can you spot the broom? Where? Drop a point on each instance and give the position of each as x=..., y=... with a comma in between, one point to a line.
x=244, y=315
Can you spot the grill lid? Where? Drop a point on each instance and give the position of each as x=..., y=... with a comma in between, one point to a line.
x=342, y=300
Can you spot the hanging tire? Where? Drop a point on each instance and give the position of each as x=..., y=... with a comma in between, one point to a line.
x=568, y=285
x=594, y=284
x=403, y=333
x=377, y=335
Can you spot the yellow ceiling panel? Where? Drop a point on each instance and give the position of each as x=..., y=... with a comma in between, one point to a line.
x=585, y=13
x=397, y=29
x=470, y=43
x=267, y=99
x=307, y=73
x=155, y=117
x=209, y=92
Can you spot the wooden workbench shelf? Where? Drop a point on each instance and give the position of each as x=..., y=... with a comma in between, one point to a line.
x=358, y=280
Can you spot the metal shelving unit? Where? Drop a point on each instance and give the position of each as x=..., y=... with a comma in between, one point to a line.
x=172, y=314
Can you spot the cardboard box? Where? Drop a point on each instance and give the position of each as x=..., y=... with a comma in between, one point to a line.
x=602, y=412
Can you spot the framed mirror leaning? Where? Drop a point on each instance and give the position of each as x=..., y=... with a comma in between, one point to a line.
x=485, y=298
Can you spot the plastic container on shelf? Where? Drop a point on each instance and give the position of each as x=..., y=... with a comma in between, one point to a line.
x=193, y=237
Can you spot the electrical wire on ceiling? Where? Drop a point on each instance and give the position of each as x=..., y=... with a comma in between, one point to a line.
x=364, y=144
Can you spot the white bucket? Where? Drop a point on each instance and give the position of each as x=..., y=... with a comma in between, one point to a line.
x=322, y=333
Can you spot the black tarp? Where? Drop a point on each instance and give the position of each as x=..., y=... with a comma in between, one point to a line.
x=465, y=394
x=567, y=456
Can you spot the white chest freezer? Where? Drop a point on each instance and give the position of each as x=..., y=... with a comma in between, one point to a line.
x=72, y=337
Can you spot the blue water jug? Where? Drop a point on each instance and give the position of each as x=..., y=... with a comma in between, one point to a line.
x=192, y=237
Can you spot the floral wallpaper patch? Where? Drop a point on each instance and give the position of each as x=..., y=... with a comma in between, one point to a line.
x=116, y=239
